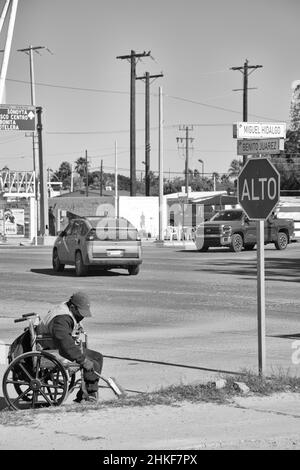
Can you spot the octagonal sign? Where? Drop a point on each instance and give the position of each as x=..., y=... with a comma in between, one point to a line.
x=258, y=188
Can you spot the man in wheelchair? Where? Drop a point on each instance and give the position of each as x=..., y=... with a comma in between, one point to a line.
x=59, y=329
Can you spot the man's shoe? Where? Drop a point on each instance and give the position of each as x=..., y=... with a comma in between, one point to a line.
x=79, y=397
x=92, y=396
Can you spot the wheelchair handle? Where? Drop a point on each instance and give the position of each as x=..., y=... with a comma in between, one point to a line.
x=28, y=314
x=19, y=319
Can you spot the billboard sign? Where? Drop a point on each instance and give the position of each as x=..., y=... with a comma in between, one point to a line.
x=17, y=118
x=12, y=222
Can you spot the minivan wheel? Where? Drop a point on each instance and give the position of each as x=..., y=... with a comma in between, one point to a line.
x=204, y=248
x=133, y=270
x=282, y=241
x=80, y=268
x=57, y=265
x=236, y=243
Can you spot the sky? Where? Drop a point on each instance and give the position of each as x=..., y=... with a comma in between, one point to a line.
x=84, y=90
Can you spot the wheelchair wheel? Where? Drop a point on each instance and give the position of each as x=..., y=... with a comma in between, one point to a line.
x=34, y=380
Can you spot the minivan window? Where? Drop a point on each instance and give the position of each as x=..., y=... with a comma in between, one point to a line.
x=108, y=228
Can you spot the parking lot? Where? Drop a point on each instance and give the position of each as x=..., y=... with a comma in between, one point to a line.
x=186, y=317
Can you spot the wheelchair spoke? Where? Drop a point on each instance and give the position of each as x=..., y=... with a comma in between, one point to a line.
x=26, y=371
x=16, y=382
x=46, y=398
x=34, y=398
x=21, y=396
x=53, y=386
x=38, y=366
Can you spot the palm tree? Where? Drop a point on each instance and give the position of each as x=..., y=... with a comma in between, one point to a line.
x=80, y=166
x=235, y=168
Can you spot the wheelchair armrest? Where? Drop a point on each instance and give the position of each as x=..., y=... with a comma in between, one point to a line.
x=18, y=320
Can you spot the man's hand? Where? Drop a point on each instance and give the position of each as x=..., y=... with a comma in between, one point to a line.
x=88, y=364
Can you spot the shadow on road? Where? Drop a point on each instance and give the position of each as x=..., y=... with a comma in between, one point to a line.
x=3, y=404
x=288, y=336
x=276, y=269
x=71, y=273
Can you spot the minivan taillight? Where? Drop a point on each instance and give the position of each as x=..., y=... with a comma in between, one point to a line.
x=91, y=236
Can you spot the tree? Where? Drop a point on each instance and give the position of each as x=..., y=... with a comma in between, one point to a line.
x=235, y=168
x=80, y=166
x=216, y=176
x=64, y=172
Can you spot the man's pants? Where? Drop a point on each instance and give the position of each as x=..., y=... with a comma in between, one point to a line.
x=90, y=378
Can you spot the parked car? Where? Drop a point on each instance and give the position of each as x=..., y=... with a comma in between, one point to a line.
x=104, y=242
x=233, y=229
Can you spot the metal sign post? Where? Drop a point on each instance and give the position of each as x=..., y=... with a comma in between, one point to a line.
x=261, y=300
x=258, y=191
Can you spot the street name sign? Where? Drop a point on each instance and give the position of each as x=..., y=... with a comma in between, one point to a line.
x=259, y=130
x=258, y=188
x=17, y=117
x=259, y=146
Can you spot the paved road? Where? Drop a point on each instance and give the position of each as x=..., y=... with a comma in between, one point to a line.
x=186, y=308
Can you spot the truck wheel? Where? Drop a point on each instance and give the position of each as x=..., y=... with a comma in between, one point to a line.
x=249, y=246
x=282, y=241
x=80, y=268
x=236, y=243
x=57, y=265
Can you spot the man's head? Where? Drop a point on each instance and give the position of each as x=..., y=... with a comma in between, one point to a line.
x=79, y=304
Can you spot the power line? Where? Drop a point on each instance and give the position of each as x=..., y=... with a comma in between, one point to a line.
x=96, y=90
x=65, y=87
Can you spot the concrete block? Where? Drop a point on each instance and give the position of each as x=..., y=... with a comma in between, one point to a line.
x=221, y=383
x=241, y=387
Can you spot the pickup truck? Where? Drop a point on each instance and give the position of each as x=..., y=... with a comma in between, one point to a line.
x=233, y=229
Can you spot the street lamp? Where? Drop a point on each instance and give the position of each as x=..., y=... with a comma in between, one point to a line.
x=201, y=161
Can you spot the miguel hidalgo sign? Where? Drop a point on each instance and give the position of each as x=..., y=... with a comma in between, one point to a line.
x=258, y=188
x=259, y=130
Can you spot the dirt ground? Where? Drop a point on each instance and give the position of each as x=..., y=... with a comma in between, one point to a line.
x=246, y=423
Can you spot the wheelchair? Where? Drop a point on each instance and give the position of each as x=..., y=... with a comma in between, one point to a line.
x=41, y=377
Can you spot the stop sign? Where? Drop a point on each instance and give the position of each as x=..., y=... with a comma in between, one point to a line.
x=258, y=188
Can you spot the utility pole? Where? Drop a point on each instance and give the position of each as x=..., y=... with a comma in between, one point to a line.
x=116, y=181
x=187, y=140
x=72, y=175
x=160, y=165
x=101, y=178
x=244, y=69
x=29, y=51
x=147, y=77
x=44, y=218
x=133, y=57
x=86, y=175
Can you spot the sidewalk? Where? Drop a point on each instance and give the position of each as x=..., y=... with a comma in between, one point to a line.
x=21, y=241
x=246, y=423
